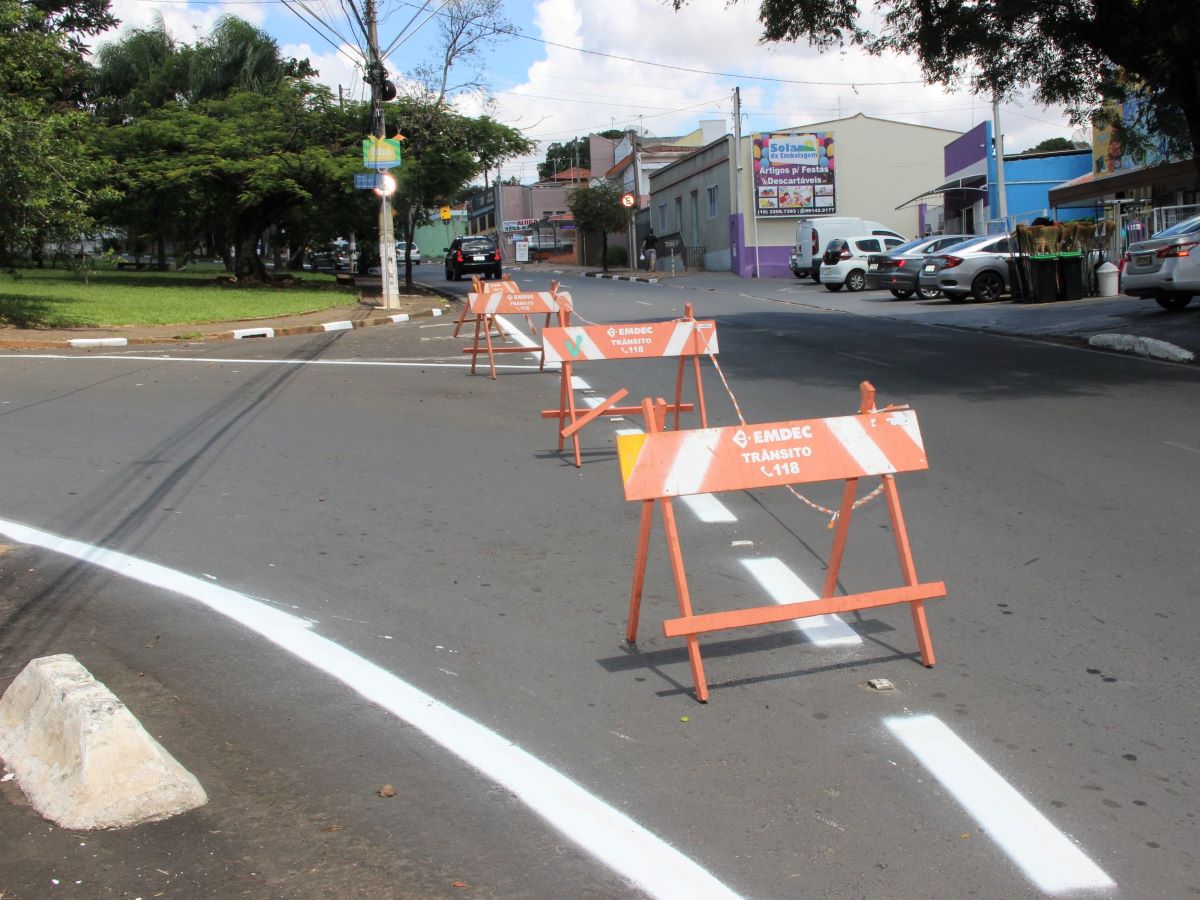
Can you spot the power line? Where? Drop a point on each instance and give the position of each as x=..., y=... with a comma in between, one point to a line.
x=738, y=75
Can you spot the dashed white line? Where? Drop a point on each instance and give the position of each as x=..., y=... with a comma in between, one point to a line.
x=708, y=508
x=1181, y=446
x=595, y=827
x=1043, y=853
x=579, y=384
x=785, y=586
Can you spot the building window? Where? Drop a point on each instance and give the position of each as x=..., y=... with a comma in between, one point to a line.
x=712, y=202
x=662, y=218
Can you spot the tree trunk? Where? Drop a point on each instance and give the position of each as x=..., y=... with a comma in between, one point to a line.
x=247, y=265
x=162, y=252
x=604, y=250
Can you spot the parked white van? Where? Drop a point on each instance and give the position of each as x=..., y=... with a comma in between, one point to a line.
x=814, y=235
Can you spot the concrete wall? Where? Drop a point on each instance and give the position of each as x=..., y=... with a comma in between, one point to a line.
x=681, y=192
x=880, y=165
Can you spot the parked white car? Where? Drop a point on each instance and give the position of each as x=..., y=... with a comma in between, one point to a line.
x=814, y=234
x=845, y=261
x=1166, y=267
x=400, y=249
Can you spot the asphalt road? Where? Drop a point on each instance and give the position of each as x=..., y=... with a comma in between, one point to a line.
x=421, y=522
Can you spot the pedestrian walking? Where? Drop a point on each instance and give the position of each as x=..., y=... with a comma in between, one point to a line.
x=650, y=251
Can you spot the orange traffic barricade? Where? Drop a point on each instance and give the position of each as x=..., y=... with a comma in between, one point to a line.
x=486, y=307
x=659, y=465
x=686, y=338
x=479, y=286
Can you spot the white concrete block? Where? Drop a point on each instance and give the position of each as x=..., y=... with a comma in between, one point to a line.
x=80, y=756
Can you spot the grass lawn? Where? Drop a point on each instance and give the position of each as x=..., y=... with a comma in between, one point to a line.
x=57, y=298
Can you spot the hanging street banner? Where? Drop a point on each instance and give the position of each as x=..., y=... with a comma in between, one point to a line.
x=381, y=153
x=793, y=174
x=368, y=180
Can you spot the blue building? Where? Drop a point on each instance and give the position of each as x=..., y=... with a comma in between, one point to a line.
x=970, y=195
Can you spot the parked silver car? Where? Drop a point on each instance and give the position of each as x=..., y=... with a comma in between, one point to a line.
x=897, y=271
x=1166, y=267
x=976, y=268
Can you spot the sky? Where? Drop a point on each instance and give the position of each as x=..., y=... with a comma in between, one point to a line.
x=587, y=65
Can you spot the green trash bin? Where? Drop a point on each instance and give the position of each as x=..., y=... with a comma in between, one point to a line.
x=1070, y=275
x=1045, y=277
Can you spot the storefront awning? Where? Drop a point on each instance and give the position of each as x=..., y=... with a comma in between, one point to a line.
x=955, y=184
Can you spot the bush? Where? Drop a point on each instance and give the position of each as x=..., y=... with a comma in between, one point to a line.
x=618, y=256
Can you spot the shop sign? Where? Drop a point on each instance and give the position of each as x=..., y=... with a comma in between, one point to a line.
x=794, y=174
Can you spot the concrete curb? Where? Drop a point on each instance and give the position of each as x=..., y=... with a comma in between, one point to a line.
x=1141, y=346
x=80, y=756
x=620, y=277
x=237, y=334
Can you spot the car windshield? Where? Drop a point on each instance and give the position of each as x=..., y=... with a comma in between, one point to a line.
x=479, y=245
x=1187, y=226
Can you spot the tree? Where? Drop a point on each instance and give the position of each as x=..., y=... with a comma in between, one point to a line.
x=466, y=29
x=597, y=208
x=1053, y=145
x=1080, y=53
x=45, y=166
x=569, y=154
x=443, y=152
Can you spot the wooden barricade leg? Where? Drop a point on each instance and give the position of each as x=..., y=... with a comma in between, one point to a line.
x=700, y=392
x=839, y=537
x=639, y=571
x=679, y=390
x=564, y=390
x=487, y=333
x=908, y=569
x=462, y=316
x=684, y=597
x=475, y=345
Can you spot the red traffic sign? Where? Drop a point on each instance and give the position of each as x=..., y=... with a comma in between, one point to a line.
x=627, y=201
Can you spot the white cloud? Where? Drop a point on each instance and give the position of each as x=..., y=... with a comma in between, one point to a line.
x=566, y=93
x=184, y=22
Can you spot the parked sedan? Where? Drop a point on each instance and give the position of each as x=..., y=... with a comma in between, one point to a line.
x=845, y=260
x=976, y=268
x=403, y=247
x=1166, y=267
x=472, y=254
x=897, y=271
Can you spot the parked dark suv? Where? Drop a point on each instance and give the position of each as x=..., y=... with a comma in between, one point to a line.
x=472, y=254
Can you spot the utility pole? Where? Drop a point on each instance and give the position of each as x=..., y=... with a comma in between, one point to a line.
x=998, y=141
x=377, y=77
x=735, y=196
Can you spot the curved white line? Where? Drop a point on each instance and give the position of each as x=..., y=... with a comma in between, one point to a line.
x=595, y=827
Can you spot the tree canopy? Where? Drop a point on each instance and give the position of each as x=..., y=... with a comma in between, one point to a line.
x=1079, y=53
x=563, y=155
x=597, y=208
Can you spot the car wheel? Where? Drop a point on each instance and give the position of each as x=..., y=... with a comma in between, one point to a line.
x=830, y=286
x=929, y=293
x=1173, y=302
x=497, y=274
x=816, y=273
x=449, y=275
x=901, y=295
x=987, y=287
x=856, y=281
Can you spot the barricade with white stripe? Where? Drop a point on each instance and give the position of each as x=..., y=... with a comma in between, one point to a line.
x=659, y=465
x=486, y=307
x=685, y=338
x=479, y=286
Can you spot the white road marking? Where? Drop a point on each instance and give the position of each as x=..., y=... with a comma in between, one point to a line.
x=785, y=586
x=1047, y=856
x=643, y=302
x=708, y=508
x=593, y=402
x=1181, y=446
x=259, y=362
x=634, y=430
x=579, y=384
x=595, y=827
